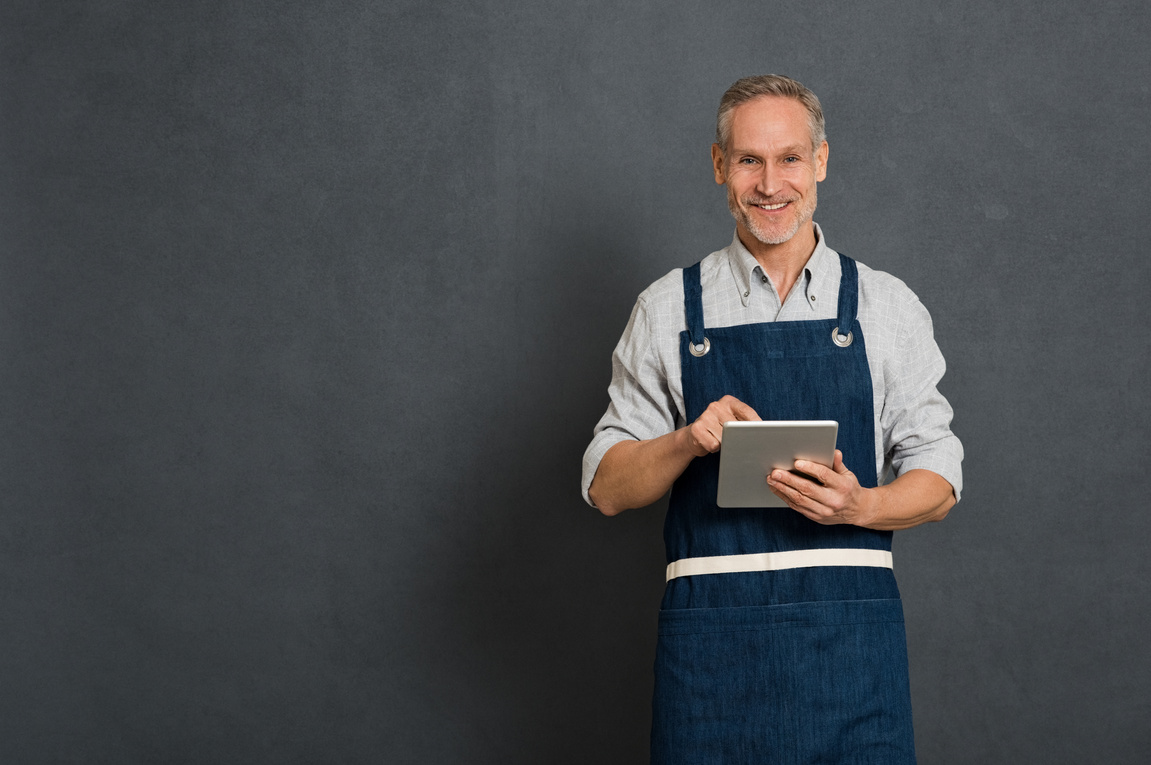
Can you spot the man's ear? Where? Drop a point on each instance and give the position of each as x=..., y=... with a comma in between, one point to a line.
x=717, y=163
x=821, y=162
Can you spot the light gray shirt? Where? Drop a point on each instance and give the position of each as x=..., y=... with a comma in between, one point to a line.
x=912, y=419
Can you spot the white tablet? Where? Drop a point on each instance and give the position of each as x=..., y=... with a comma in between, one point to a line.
x=751, y=450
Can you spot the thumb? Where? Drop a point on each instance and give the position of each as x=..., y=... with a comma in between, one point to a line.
x=838, y=465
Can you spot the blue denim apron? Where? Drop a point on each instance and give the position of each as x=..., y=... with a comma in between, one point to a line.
x=796, y=665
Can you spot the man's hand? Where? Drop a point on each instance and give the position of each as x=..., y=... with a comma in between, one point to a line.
x=637, y=473
x=834, y=496
x=706, y=433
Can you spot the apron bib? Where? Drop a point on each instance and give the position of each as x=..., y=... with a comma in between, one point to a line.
x=794, y=665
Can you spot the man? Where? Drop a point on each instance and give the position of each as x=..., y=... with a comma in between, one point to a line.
x=799, y=657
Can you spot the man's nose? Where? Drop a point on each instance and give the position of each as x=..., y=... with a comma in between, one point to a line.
x=769, y=180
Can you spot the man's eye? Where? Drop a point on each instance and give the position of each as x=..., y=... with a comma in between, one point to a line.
x=791, y=159
x=747, y=161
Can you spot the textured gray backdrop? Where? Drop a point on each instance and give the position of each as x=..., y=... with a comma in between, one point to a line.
x=306, y=313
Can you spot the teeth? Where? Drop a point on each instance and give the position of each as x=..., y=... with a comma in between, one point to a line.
x=772, y=207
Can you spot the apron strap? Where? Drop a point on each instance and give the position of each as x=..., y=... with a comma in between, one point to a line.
x=778, y=561
x=693, y=304
x=848, y=301
x=848, y=294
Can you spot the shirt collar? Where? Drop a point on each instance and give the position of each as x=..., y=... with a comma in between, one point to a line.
x=819, y=278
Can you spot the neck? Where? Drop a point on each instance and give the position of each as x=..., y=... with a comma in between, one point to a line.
x=784, y=262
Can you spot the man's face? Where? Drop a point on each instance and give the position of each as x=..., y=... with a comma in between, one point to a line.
x=770, y=169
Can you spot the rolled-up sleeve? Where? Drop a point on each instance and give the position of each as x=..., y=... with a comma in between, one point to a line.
x=916, y=418
x=640, y=405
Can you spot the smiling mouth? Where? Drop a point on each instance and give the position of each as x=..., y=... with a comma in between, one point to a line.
x=779, y=206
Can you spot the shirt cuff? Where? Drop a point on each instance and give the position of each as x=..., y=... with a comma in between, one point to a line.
x=945, y=460
x=598, y=447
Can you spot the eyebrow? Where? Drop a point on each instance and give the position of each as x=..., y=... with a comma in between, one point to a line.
x=793, y=149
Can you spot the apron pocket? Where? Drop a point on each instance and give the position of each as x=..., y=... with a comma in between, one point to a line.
x=795, y=683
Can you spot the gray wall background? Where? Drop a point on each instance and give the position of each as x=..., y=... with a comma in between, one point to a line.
x=306, y=313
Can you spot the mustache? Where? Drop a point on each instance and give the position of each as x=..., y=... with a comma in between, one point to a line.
x=767, y=200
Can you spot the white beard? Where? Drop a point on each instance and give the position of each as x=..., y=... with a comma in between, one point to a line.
x=770, y=236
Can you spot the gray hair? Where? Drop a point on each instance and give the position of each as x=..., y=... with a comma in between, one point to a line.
x=749, y=88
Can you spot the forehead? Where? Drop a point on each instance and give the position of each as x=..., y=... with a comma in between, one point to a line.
x=770, y=121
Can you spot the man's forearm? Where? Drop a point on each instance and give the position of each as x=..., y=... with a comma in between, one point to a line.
x=917, y=496
x=637, y=473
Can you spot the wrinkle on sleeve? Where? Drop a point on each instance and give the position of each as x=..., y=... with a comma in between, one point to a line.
x=640, y=405
x=916, y=418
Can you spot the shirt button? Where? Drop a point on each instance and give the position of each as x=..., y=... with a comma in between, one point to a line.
x=763, y=279
x=813, y=298
x=747, y=293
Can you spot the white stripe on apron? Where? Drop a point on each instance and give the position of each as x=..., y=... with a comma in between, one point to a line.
x=775, y=561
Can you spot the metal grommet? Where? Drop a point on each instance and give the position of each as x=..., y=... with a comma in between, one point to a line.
x=841, y=340
x=699, y=350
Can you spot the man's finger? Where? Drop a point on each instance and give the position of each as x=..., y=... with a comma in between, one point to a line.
x=791, y=494
x=708, y=440
x=743, y=412
x=821, y=473
x=788, y=480
x=716, y=433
